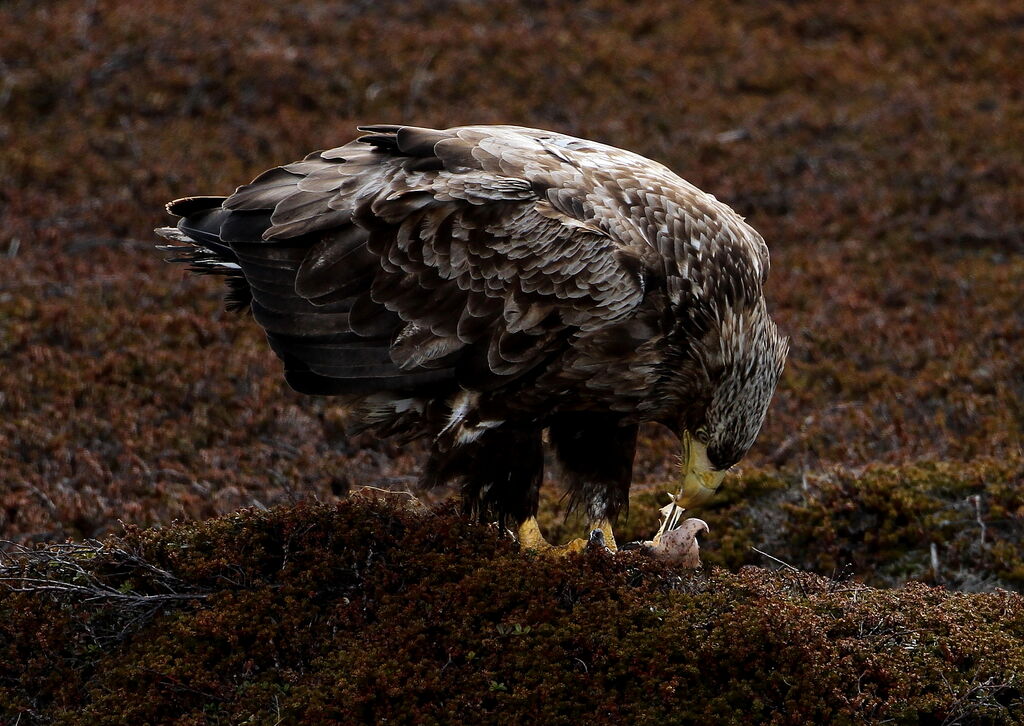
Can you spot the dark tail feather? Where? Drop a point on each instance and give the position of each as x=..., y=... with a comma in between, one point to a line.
x=196, y=242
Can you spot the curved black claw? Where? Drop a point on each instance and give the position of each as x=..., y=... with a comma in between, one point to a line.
x=597, y=540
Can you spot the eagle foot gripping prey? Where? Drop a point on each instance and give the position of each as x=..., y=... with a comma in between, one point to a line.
x=530, y=538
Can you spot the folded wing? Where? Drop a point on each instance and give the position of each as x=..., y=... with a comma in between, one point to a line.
x=413, y=258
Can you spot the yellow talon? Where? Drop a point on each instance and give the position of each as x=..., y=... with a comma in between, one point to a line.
x=606, y=529
x=573, y=546
x=530, y=538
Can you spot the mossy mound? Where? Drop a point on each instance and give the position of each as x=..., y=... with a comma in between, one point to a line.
x=367, y=612
x=955, y=524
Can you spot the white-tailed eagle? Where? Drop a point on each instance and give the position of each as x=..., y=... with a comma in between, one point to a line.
x=482, y=284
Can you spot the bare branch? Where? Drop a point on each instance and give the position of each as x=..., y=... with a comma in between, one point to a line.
x=129, y=588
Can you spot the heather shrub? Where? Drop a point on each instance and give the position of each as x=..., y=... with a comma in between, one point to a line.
x=368, y=612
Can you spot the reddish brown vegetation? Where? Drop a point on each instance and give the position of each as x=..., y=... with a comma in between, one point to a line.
x=364, y=614
x=876, y=147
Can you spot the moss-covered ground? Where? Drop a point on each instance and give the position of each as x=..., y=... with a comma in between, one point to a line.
x=364, y=613
x=876, y=146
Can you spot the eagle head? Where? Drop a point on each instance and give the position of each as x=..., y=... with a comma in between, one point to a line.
x=734, y=358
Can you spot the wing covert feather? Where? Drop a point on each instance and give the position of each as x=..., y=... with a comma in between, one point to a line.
x=492, y=244
x=465, y=255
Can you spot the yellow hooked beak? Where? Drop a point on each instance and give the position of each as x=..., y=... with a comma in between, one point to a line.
x=700, y=480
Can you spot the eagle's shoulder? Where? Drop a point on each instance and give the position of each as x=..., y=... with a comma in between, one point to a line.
x=636, y=201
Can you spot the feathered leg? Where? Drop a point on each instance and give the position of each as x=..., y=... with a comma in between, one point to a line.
x=500, y=473
x=596, y=453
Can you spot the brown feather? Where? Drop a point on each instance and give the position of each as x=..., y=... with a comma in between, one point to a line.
x=506, y=276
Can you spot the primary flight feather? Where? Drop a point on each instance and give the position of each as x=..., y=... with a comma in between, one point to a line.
x=480, y=284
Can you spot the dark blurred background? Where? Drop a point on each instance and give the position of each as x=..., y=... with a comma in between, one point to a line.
x=878, y=147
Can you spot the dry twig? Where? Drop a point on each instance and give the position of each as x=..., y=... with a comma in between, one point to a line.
x=131, y=588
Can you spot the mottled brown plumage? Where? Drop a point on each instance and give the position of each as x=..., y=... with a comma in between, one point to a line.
x=479, y=284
